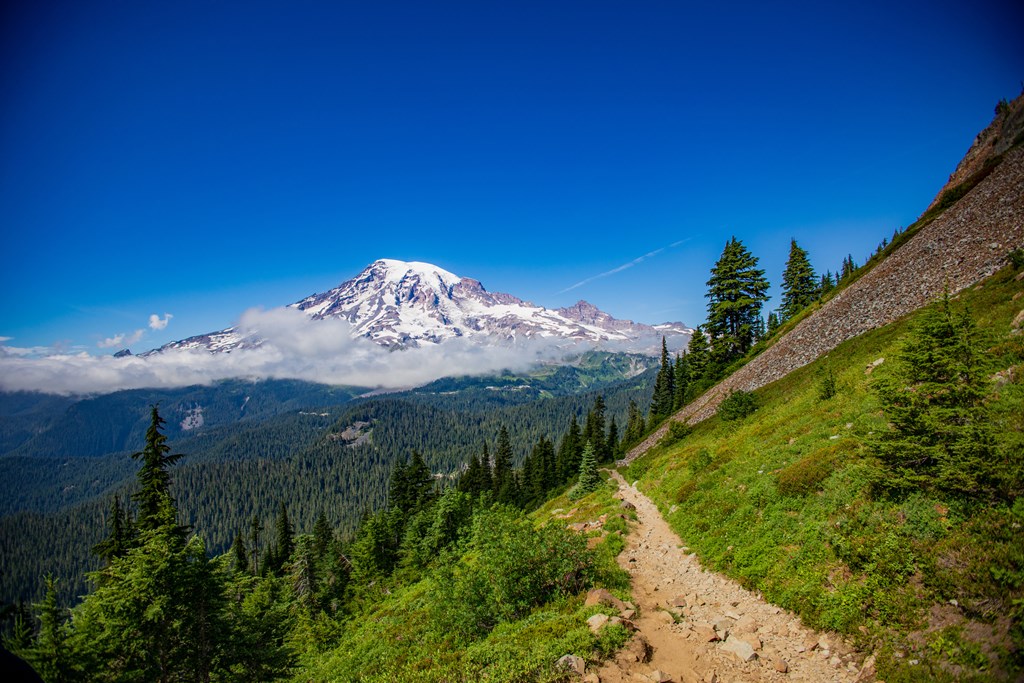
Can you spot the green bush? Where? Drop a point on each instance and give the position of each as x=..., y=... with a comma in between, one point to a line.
x=1016, y=258
x=510, y=569
x=827, y=385
x=677, y=431
x=804, y=476
x=737, y=405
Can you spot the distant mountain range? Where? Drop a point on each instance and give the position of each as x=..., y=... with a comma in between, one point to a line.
x=401, y=304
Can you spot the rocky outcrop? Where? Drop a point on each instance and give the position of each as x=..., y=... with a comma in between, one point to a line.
x=966, y=243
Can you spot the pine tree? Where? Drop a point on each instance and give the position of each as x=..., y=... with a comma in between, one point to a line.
x=681, y=375
x=285, y=537
x=255, y=529
x=504, y=479
x=827, y=284
x=736, y=291
x=614, y=443
x=773, y=323
x=635, y=424
x=241, y=557
x=569, y=451
x=594, y=429
x=323, y=535
x=154, y=479
x=116, y=544
x=941, y=435
x=49, y=655
x=664, y=388
x=799, y=283
x=589, y=479
x=698, y=354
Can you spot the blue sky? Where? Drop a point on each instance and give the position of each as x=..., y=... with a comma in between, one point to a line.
x=198, y=159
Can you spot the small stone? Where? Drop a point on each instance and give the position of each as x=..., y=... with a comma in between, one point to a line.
x=780, y=665
x=705, y=633
x=659, y=676
x=836, y=662
x=711, y=677
x=752, y=641
x=746, y=624
x=628, y=614
x=597, y=621
x=591, y=678
x=678, y=601
x=600, y=596
x=739, y=649
x=626, y=505
x=571, y=663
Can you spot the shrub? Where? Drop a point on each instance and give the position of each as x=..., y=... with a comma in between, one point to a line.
x=677, y=431
x=1016, y=258
x=737, y=405
x=511, y=569
x=804, y=476
x=827, y=385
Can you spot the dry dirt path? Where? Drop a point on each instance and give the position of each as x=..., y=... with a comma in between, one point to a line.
x=701, y=626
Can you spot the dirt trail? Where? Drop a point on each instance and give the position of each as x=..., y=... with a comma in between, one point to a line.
x=701, y=626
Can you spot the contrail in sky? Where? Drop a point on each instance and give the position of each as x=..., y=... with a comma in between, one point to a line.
x=624, y=266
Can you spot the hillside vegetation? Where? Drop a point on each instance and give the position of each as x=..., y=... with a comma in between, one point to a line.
x=793, y=500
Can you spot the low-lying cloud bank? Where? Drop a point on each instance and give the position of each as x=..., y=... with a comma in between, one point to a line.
x=294, y=347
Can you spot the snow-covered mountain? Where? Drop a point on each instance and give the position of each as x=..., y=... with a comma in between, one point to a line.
x=399, y=304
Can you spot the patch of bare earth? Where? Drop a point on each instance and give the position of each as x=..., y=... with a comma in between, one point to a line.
x=698, y=626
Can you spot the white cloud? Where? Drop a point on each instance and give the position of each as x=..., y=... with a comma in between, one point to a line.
x=158, y=323
x=294, y=347
x=121, y=340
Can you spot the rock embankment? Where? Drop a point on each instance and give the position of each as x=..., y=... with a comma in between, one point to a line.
x=966, y=243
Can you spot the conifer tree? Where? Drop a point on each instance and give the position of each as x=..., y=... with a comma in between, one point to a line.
x=594, y=429
x=698, y=353
x=154, y=479
x=255, y=529
x=241, y=557
x=486, y=471
x=635, y=423
x=941, y=435
x=116, y=544
x=285, y=537
x=570, y=450
x=736, y=291
x=614, y=444
x=664, y=387
x=773, y=323
x=504, y=479
x=827, y=284
x=681, y=375
x=799, y=283
x=589, y=479
x=49, y=655
x=323, y=535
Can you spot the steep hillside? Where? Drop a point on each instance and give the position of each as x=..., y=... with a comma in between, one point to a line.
x=794, y=501
x=968, y=241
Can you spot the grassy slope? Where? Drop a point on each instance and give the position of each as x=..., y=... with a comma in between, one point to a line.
x=781, y=501
x=398, y=639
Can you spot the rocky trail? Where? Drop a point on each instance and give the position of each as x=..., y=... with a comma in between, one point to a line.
x=694, y=625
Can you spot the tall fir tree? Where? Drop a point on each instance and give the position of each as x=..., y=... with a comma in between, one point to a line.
x=285, y=537
x=504, y=478
x=736, y=291
x=570, y=450
x=635, y=424
x=827, y=284
x=698, y=353
x=154, y=479
x=594, y=429
x=588, y=479
x=681, y=374
x=799, y=283
x=121, y=536
x=664, y=387
x=941, y=436
x=773, y=323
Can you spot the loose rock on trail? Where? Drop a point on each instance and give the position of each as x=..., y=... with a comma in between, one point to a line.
x=694, y=625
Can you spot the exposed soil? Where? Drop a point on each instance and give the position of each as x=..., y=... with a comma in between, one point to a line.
x=701, y=626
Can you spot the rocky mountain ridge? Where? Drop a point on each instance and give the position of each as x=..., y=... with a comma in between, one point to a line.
x=399, y=304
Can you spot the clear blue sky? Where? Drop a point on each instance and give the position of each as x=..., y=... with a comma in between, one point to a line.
x=199, y=158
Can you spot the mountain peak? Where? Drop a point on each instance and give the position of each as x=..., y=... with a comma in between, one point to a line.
x=408, y=303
